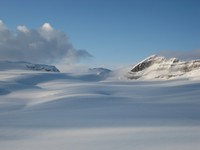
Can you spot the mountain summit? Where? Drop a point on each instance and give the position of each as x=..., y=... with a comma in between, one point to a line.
x=158, y=67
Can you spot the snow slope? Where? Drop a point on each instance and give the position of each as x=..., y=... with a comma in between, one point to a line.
x=59, y=111
x=157, y=67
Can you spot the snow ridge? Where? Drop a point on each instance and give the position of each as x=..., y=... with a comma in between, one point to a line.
x=21, y=65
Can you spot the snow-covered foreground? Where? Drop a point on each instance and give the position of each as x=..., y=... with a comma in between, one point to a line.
x=60, y=111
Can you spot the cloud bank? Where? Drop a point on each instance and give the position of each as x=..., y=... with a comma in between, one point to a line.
x=42, y=45
x=184, y=55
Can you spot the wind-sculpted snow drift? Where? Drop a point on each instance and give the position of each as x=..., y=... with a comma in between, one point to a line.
x=91, y=111
x=157, y=67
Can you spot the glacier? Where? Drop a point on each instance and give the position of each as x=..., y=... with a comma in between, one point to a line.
x=93, y=111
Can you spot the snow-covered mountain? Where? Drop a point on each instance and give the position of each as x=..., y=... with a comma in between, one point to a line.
x=21, y=65
x=157, y=67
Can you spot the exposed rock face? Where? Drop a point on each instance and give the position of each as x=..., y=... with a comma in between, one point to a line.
x=39, y=67
x=145, y=63
x=157, y=67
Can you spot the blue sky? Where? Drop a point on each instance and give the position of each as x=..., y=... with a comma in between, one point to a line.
x=113, y=31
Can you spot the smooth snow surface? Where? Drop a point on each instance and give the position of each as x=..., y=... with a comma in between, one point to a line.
x=60, y=111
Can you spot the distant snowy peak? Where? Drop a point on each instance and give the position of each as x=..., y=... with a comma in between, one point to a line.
x=157, y=67
x=21, y=65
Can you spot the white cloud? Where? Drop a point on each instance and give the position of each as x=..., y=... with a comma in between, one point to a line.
x=42, y=45
x=2, y=26
x=47, y=27
x=22, y=29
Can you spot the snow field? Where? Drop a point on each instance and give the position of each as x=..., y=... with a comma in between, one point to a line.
x=48, y=111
